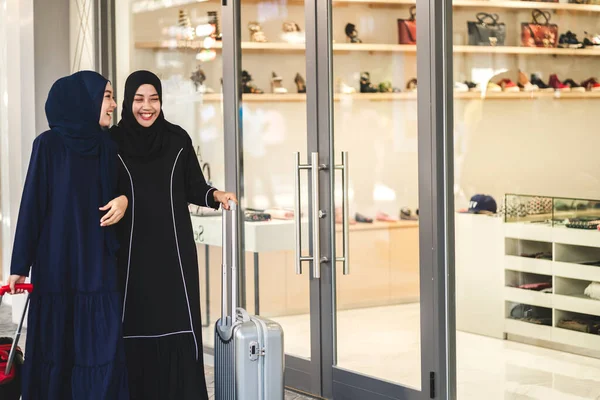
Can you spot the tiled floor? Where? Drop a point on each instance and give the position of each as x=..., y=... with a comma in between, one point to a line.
x=8, y=329
x=490, y=368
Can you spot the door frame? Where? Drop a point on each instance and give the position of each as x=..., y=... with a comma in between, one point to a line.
x=436, y=200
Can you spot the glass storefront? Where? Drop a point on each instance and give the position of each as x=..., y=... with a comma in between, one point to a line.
x=526, y=181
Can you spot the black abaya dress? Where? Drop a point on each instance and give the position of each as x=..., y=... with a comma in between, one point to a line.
x=158, y=270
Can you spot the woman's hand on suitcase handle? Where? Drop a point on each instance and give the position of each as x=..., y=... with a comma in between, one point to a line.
x=116, y=210
x=14, y=280
x=224, y=197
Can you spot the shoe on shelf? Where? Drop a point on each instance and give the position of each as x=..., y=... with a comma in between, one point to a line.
x=461, y=87
x=508, y=86
x=411, y=85
x=493, y=88
x=591, y=40
x=363, y=219
x=569, y=41
x=300, y=83
x=407, y=215
x=591, y=85
x=575, y=87
x=557, y=84
x=525, y=85
x=277, y=85
x=472, y=86
x=383, y=217
x=247, y=85
x=365, y=83
x=536, y=80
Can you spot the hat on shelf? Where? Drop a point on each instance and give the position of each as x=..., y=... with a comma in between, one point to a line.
x=482, y=204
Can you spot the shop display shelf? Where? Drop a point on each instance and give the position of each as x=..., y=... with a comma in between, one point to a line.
x=530, y=265
x=528, y=231
x=530, y=297
x=574, y=338
x=174, y=44
x=576, y=271
x=147, y=6
x=526, y=329
x=578, y=237
x=576, y=303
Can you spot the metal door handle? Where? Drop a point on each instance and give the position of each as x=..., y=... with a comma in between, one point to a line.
x=316, y=256
x=345, y=214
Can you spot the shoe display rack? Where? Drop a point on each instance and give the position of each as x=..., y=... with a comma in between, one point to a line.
x=563, y=261
x=466, y=56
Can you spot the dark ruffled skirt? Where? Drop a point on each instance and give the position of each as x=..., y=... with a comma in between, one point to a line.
x=165, y=368
x=75, y=349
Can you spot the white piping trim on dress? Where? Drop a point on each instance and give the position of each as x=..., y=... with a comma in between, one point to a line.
x=179, y=255
x=130, y=236
x=157, y=336
x=206, y=196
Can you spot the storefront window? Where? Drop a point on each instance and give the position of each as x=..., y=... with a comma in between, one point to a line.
x=527, y=193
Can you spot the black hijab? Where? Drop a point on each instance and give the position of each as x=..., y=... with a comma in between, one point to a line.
x=135, y=140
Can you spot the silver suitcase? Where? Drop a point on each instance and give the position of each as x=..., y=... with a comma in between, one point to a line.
x=249, y=358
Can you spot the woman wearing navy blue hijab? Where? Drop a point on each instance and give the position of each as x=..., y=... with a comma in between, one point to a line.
x=65, y=236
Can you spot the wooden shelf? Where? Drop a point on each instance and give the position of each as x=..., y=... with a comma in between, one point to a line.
x=479, y=4
x=195, y=45
x=525, y=5
x=300, y=98
x=518, y=50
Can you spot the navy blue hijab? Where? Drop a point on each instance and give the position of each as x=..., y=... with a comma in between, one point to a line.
x=73, y=110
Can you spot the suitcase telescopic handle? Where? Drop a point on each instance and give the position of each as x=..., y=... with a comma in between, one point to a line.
x=230, y=260
x=28, y=287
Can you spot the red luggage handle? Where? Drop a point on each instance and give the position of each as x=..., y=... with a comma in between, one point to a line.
x=28, y=287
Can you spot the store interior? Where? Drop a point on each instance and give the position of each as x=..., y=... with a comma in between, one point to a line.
x=523, y=147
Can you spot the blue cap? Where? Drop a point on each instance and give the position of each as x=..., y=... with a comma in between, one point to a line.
x=482, y=204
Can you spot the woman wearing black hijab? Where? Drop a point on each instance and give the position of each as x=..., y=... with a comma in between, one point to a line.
x=158, y=264
x=74, y=337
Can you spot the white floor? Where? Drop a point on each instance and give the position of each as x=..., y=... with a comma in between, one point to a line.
x=384, y=342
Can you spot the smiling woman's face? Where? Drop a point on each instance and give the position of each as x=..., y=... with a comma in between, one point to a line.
x=146, y=105
x=108, y=106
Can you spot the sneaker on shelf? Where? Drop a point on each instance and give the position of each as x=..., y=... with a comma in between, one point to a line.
x=591, y=40
x=557, y=84
x=575, y=87
x=525, y=85
x=591, y=85
x=461, y=87
x=536, y=80
x=569, y=41
x=508, y=86
x=493, y=88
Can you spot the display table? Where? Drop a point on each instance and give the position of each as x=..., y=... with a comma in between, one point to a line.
x=384, y=265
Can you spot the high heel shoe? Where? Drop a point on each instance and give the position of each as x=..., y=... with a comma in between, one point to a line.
x=276, y=84
x=352, y=33
x=292, y=33
x=300, y=83
x=256, y=33
x=365, y=83
x=247, y=85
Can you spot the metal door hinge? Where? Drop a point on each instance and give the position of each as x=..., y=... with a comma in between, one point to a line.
x=432, y=385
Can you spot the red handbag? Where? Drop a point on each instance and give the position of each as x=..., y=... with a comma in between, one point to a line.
x=536, y=34
x=407, y=28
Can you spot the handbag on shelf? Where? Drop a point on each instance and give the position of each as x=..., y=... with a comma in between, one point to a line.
x=486, y=31
x=407, y=28
x=536, y=34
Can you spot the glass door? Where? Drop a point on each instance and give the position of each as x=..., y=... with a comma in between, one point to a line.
x=335, y=131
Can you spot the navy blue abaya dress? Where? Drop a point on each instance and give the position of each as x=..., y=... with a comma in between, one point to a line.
x=74, y=340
